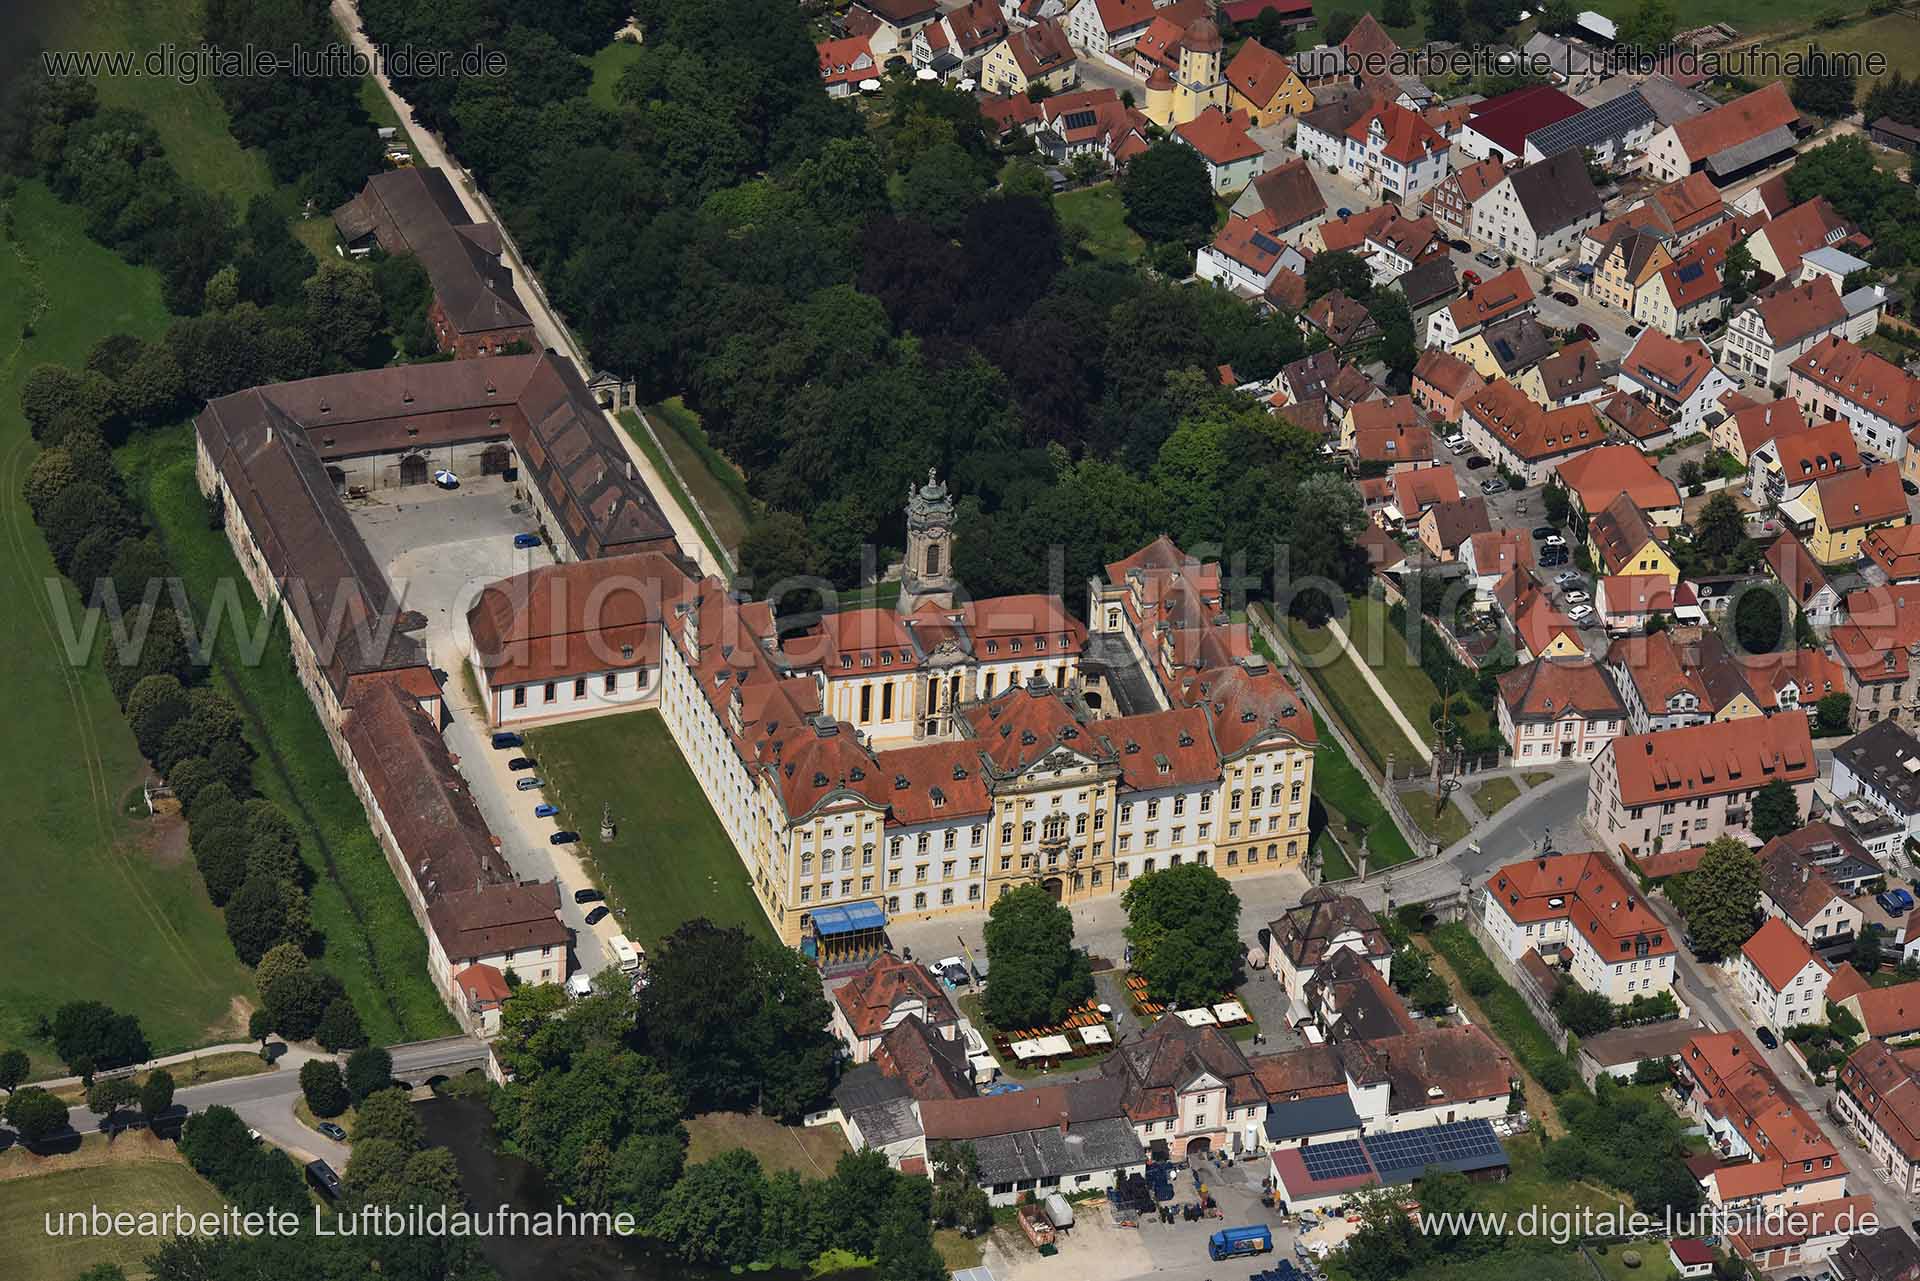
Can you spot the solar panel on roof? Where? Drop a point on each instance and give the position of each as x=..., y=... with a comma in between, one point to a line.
x=1264, y=243
x=1455, y=1145
x=1689, y=273
x=1611, y=119
x=1081, y=119
x=1342, y=1160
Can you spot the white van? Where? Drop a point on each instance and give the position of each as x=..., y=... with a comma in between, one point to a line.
x=624, y=954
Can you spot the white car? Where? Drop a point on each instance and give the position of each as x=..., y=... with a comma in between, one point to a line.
x=1582, y=616
x=1566, y=578
x=1454, y=444
x=1578, y=598
x=1553, y=540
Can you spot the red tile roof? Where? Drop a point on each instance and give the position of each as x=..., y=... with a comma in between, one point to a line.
x=1492, y=299
x=1712, y=759
x=1549, y=688
x=1759, y=423
x=1258, y=72
x=1601, y=475
x=1863, y=496
x=1740, y=1086
x=1627, y=595
x=1522, y=425
x=1813, y=224
x=1221, y=138
x=1742, y=120
x=1405, y=137
x=1589, y=893
x=1777, y=953
x=1791, y=314
x=1851, y=373
x=871, y=999
x=1509, y=118
x=1676, y=367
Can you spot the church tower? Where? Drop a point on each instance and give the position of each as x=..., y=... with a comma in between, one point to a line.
x=1202, y=81
x=928, y=573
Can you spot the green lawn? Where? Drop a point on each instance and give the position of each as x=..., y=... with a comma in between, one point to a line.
x=810, y=1150
x=29, y=1253
x=671, y=860
x=1339, y=678
x=107, y=897
x=1096, y=214
x=1448, y=826
x=644, y=438
x=1537, y=777
x=608, y=66
x=1655, y=1263
x=373, y=944
x=1529, y=1184
x=1384, y=648
x=721, y=490
x=1495, y=795
x=1896, y=35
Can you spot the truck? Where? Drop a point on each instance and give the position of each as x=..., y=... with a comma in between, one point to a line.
x=1230, y=1243
x=623, y=954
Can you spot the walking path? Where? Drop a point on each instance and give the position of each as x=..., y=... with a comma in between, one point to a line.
x=290, y=1056
x=1380, y=692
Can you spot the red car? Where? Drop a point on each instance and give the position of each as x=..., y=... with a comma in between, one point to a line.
x=1471, y=279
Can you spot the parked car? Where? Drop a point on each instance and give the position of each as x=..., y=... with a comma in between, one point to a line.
x=526, y=540
x=1896, y=902
x=1553, y=557
x=528, y=784
x=1566, y=299
x=598, y=915
x=589, y=895
x=1767, y=1038
x=1475, y=462
x=1470, y=278
x=332, y=1131
x=1554, y=540
x=1343, y=213
x=1910, y=487
x=1454, y=444
x=564, y=838
x=1460, y=246
x=1487, y=256
x=1582, y=616
x=1870, y=459
x=1567, y=579
x=1543, y=532
x=1577, y=597
x=1634, y=328
x=1587, y=331
x=506, y=739
x=1493, y=486
x=446, y=479
x=520, y=762
x=545, y=811
x=954, y=970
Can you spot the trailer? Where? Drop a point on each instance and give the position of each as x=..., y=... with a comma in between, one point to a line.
x=1230, y=1243
x=1059, y=1210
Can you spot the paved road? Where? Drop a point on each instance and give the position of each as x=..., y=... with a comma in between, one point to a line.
x=553, y=333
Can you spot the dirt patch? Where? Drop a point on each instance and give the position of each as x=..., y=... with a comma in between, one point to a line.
x=233, y=1027
x=163, y=840
x=130, y=1147
x=1539, y=1102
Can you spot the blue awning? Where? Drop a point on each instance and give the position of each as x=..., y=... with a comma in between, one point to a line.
x=829, y=921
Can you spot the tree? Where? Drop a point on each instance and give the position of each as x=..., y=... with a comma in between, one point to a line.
x=1776, y=810
x=1321, y=562
x=90, y=1032
x=1833, y=715
x=1446, y=20
x=36, y=1115
x=941, y=187
x=903, y=1249
x=1342, y=270
x=1037, y=975
x=1825, y=85
x=15, y=1067
x=1337, y=27
x=1554, y=503
x=156, y=1095
x=281, y=960
x=1581, y=1011
x=775, y=556
x=107, y=1096
x=260, y=915
x=1184, y=925
x=340, y=1027
x=712, y=1215
x=1649, y=26
x=1397, y=13
x=1759, y=620
x=387, y=1114
x=369, y=1069
x=1720, y=529
x=1866, y=956
x=1168, y=196
x=297, y=1002
x=343, y=312
x=324, y=1087
x=1723, y=894
x=1737, y=272
x=260, y=1028
x=958, y=1199
x=1429, y=994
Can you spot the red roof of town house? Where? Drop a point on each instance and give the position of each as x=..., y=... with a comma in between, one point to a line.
x=1760, y=423
x=870, y=998
x=1740, y=1087
x=1817, y=452
x=1117, y=16
x=1796, y=568
x=1446, y=373
x=1731, y=124
x=1006, y=113
x=1888, y=1011
x=976, y=27
x=1896, y=550
x=485, y=986
x=1219, y=136
x=1674, y=366
x=1777, y=952
x=1794, y=312
x=1708, y=760
x=1550, y=688
x=1343, y=320
x=840, y=60
x=1289, y=289
x=1352, y=231
x=1601, y=475
x=1499, y=550
x=1851, y=373
x=1369, y=40
x=1633, y=417
x=1520, y=423
x=1258, y=72
x=1161, y=42
x=1391, y=411
x=1393, y=444
x=1627, y=595
x=1885, y=1084
x=1685, y=205
x=1239, y=11
x=1417, y=488
x=1288, y=195
x=1406, y=138
x=1040, y=49
x=1492, y=299
x=1509, y=118
x=1537, y=622
x=1412, y=239
x=1810, y=225
x=1881, y=624
x=1811, y=672
x=1863, y=496
x=1691, y=1251
x=1688, y=281
x=1590, y=894
x=1249, y=243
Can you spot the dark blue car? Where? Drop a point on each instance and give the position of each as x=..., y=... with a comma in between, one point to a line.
x=505, y=739
x=563, y=838
x=526, y=540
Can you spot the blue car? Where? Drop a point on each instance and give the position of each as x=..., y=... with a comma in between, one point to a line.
x=1895, y=902
x=526, y=540
x=545, y=811
x=505, y=739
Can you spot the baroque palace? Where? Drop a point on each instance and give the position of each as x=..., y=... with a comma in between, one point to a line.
x=926, y=759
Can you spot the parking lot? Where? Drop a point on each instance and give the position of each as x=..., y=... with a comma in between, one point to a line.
x=439, y=548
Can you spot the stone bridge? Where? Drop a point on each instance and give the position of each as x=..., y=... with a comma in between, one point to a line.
x=419, y=1063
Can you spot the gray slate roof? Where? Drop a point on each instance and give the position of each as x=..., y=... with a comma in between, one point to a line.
x=1556, y=192
x=1087, y=1147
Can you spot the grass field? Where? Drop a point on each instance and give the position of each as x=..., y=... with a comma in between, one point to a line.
x=108, y=897
x=134, y=1173
x=1384, y=647
x=1897, y=35
x=608, y=66
x=1655, y=1263
x=644, y=438
x=721, y=490
x=1096, y=215
x=808, y=1150
x=1537, y=778
x=670, y=861
x=1339, y=678
x=373, y=944
x=1495, y=795
x=1448, y=826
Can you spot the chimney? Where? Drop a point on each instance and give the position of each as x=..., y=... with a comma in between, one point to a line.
x=1063, y=1124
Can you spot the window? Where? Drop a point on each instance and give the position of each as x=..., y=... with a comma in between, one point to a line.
x=613, y=682
x=520, y=696
x=1153, y=810
x=919, y=901
x=1179, y=806
x=546, y=694
x=580, y=687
